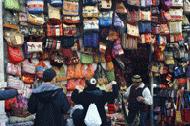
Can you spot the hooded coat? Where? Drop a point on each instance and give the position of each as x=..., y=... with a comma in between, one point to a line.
x=92, y=94
x=49, y=103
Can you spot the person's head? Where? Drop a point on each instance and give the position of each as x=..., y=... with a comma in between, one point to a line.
x=137, y=80
x=48, y=75
x=91, y=82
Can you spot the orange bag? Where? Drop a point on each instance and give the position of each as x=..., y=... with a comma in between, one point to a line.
x=109, y=66
x=70, y=72
x=79, y=70
x=89, y=72
x=80, y=83
x=71, y=84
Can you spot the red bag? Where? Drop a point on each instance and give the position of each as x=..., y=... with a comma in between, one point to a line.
x=9, y=103
x=67, y=52
x=186, y=115
x=15, y=55
x=54, y=27
x=182, y=81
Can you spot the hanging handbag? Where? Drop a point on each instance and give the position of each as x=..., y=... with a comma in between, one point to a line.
x=56, y=59
x=67, y=52
x=105, y=19
x=146, y=38
x=89, y=72
x=28, y=67
x=120, y=8
x=86, y=58
x=177, y=3
x=52, y=43
x=133, y=30
x=54, y=28
x=71, y=8
x=109, y=66
x=12, y=5
x=69, y=30
x=74, y=59
x=175, y=27
x=60, y=74
x=13, y=69
x=145, y=15
x=133, y=16
x=28, y=78
x=117, y=49
x=92, y=24
x=164, y=29
x=99, y=58
x=70, y=72
x=145, y=3
x=71, y=19
x=34, y=47
x=79, y=71
x=36, y=19
x=14, y=38
x=90, y=39
x=14, y=82
x=118, y=22
x=110, y=75
x=100, y=75
x=105, y=4
x=36, y=30
x=130, y=42
x=35, y=6
x=71, y=85
x=176, y=14
x=134, y=2
x=67, y=42
x=54, y=12
x=56, y=3
x=15, y=55
x=145, y=27
x=186, y=6
x=90, y=11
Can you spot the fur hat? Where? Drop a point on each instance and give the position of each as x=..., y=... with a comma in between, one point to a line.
x=136, y=79
x=48, y=75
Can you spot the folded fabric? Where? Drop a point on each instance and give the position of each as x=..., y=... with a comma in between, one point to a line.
x=15, y=119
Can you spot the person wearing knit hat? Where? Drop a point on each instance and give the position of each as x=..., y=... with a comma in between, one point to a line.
x=52, y=100
x=139, y=98
x=92, y=94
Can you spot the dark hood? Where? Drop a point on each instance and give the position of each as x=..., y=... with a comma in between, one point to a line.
x=47, y=92
x=93, y=90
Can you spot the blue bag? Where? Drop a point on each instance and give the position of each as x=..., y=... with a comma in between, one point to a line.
x=145, y=27
x=35, y=6
x=105, y=19
x=91, y=39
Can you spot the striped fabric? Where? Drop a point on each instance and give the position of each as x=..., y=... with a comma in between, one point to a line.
x=35, y=6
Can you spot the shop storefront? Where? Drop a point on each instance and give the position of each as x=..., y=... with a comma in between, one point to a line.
x=111, y=40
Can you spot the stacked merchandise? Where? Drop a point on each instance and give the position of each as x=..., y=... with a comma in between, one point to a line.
x=170, y=62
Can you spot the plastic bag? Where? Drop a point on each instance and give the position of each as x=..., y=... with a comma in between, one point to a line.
x=92, y=117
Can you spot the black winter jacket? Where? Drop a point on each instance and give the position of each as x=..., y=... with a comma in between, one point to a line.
x=92, y=94
x=49, y=106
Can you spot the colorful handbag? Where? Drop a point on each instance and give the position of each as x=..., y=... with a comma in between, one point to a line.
x=118, y=22
x=35, y=6
x=177, y=3
x=71, y=8
x=71, y=85
x=15, y=55
x=69, y=30
x=164, y=29
x=134, y=2
x=54, y=27
x=36, y=30
x=145, y=15
x=52, y=43
x=71, y=19
x=56, y=59
x=60, y=74
x=89, y=72
x=28, y=78
x=176, y=14
x=146, y=3
x=14, y=82
x=186, y=6
x=105, y=4
x=92, y=24
x=133, y=16
x=70, y=72
x=74, y=59
x=36, y=19
x=56, y=3
x=67, y=52
x=14, y=38
x=175, y=27
x=130, y=42
x=120, y=8
x=145, y=27
x=99, y=58
x=90, y=11
x=91, y=39
x=13, y=69
x=54, y=12
x=110, y=75
x=79, y=71
x=86, y=58
x=146, y=38
x=105, y=18
x=100, y=75
x=133, y=30
x=117, y=49
x=12, y=5
x=28, y=67
x=34, y=47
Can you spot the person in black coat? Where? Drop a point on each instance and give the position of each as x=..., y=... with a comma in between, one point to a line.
x=48, y=102
x=92, y=94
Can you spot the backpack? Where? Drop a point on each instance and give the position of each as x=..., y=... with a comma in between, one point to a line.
x=92, y=117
